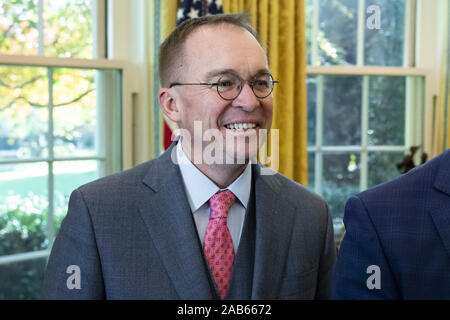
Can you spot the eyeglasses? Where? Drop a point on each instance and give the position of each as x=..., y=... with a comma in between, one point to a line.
x=229, y=86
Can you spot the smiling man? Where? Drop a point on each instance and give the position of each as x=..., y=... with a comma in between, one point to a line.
x=202, y=221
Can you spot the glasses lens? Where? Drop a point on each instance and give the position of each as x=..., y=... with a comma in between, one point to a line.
x=263, y=85
x=229, y=86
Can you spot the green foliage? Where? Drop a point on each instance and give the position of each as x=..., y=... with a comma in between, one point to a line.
x=67, y=28
x=24, y=91
x=22, y=232
x=22, y=280
x=23, y=228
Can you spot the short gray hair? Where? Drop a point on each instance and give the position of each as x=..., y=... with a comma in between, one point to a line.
x=170, y=51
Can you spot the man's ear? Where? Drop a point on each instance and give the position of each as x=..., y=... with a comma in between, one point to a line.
x=168, y=104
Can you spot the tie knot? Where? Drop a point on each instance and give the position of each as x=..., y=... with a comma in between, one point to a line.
x=220, y=204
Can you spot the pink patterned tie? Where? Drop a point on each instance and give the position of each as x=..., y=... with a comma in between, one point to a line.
x=218, y=247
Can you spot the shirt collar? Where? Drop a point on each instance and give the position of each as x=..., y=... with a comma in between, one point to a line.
x=199, y=188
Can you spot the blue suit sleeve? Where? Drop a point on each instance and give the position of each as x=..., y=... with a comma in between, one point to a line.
x=74, y=269
x=362, y=270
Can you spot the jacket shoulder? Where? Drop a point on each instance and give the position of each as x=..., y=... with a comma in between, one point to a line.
x=292, y=191
x=407, y=185
x=126, y=181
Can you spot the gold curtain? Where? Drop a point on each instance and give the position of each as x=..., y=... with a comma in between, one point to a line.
x=281, y=25
x=441, y=132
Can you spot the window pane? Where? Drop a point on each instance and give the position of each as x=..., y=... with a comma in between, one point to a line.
x=69, y=175
x=23, y=207
x=386, y=110
x=23, y=112
x=66, y=24
x=18, y=25
x=383, y=167
x=384, y=46
x=309, y=13
x=68, y=28
x=74, y=112
x=22, y=280
x=311, y=84
x=340, y=180
x=342, y=110
x=337, y=38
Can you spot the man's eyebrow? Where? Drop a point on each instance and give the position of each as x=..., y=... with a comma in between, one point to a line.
x=262, y=71
x=215, y=73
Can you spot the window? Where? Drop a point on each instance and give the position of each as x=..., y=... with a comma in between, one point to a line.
x=60, y=126
x=365, y=97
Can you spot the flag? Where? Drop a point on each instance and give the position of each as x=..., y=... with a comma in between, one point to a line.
x=186, y=10
x=197, y=8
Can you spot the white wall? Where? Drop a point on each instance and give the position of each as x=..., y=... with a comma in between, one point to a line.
x=127, y=40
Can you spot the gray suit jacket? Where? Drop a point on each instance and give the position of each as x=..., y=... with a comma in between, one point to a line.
x=132, y=236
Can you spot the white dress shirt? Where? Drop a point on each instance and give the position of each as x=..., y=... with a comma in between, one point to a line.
x=199, y=189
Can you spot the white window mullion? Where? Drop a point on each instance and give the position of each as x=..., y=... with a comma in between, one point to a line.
x=34, y=160
x=315, y=61
x=409, y=34
x=100, y=130
x=50, y=214
x=99, y=29
x=364, y=134
x=341, y=149
x=318, y=159
x=414, y=126
x=360, y=34
x=18, y=257
x=40, y=27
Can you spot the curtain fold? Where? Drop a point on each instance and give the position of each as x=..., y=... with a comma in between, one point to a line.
x=281, y=25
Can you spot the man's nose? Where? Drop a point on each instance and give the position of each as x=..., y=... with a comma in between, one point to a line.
x=246, y=99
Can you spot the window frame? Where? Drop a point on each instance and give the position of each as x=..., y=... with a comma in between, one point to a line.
x=418, y=52
x=99, y=61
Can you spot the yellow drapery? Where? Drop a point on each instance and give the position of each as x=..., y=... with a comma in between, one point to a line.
x=281, y=25
x=442, y=115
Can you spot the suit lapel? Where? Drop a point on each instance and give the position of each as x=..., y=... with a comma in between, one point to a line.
x=440, y=204
x=166, y=213
x=273, y=235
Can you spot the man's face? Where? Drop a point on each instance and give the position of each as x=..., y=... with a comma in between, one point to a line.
x=210, y=52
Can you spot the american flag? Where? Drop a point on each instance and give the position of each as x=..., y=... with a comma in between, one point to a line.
x=197, y=8
x=186, y=10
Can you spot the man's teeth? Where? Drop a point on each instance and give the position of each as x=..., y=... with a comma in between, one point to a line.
x=241, y=126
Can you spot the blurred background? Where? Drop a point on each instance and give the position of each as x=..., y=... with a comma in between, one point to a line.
x=78, y=101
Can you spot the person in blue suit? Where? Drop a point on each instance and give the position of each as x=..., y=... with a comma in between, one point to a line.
x=397, y=241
